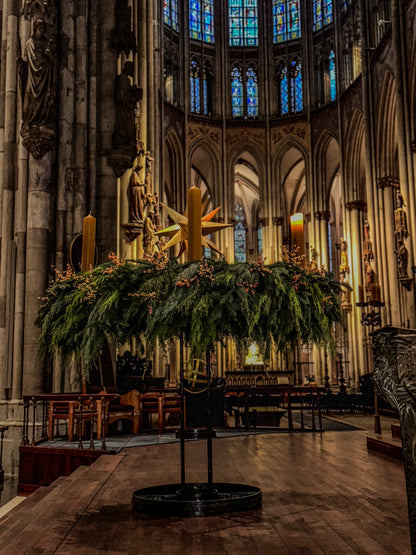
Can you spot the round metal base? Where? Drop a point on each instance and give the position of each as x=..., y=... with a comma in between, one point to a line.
x=195, y=433
x=196, y=499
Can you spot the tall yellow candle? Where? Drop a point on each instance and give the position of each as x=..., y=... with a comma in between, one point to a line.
x=194, y=224
x=88, y=243
x=298, y=237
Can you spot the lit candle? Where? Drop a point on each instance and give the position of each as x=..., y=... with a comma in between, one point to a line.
x=88, y=243
x=360, y=293
x=194, y=224
x=298, y=237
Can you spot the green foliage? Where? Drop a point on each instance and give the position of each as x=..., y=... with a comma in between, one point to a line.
x=207, y=302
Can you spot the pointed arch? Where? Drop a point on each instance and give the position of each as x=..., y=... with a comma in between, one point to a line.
x=386, y=139
x=173, y=169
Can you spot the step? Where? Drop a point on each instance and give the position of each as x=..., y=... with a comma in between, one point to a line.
x=58, y=510
x=389, y=447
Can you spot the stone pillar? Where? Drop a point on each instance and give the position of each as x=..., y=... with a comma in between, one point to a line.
x=37, y=264
x=394, y=352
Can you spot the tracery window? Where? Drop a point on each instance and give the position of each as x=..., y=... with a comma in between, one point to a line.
x=252, y=93
x=201, y=20
x=260, y=241
x=195, y=88
x=170, y=13
x=286, y=20
x=243, y=22
x=240, y=239
x=322, y=13
x=237, y=95
x=290, y=87
x=332, y=76
x=200, y=89
x=296, y=86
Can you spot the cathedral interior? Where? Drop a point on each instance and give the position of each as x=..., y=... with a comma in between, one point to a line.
x=272, y=108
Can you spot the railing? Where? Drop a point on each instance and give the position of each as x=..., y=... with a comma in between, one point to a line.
x=246, y=404
x=41, y=411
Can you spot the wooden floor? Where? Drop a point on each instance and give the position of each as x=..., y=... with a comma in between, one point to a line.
x=322, y=493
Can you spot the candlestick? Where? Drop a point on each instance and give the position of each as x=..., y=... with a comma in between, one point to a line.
x=88, y=243
x=298, y=237
x=194, y=224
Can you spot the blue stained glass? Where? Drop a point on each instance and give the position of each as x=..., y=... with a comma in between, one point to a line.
x=195, y=89
x=243, y=22
x=237, y=93
x=205, y=95
x=240, y=239
x=170, y=14
x=284, y=96
x=346, y=4
x=201, y=20
x=252, y=93
x=286, y=20
x=317, y=15
x=328, y=13
x=296, y=87
x=332, y=76
x=260, y=241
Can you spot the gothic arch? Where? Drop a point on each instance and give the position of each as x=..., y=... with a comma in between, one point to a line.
x=327, y=159
x=386, y=129
x=205, y=160
x=354, y=163
x=172, y=193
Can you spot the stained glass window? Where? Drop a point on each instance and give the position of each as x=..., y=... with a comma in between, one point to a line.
x=252, y=93
x=205, y=94
x=286, y=20
x=328, y=13
x=201, y=20
x=260, y=241
x=296, y=86
x=170, y=13
x=239, y=234
x=243, y=22
x=284, y=96
x=237, y=97
x=195, y=89
x=332, y=76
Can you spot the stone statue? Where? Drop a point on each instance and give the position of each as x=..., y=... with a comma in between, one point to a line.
x=345, y=295
x=313, y=265
x=127, y=97
x=344, y=268
x=370, y=276
x=38, y=73
x=400, y=218
x=367, y=246
x=402, y=260
x=149, y=228
x=137, y=197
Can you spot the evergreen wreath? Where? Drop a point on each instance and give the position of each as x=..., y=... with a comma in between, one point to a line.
x=206, y=302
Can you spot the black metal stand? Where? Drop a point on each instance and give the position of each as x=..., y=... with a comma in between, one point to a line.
x=196, y=499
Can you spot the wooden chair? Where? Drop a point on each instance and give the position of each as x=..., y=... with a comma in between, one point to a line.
x=158, y=403
x=126, y=407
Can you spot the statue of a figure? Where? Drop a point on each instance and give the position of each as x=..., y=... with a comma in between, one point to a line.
x=344, y=268
x=137, y=197
x=370, y=276
x=402, y=260
x=313, y=265
x=400, y=218
x=149, y=228
x=367, y=246
x=127, y=96
x=39, y=80
x=345, y=295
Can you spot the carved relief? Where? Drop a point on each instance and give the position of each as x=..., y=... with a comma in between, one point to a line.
x=297, y=130
x=236, y=135
x=196, y=131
